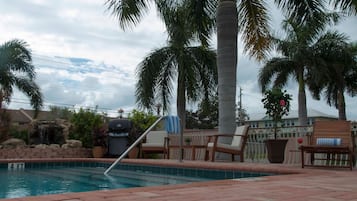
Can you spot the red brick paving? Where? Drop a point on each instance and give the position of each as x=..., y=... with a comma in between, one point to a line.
x=295, y=184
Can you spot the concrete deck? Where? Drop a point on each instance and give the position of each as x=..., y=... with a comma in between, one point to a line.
x=295, y=184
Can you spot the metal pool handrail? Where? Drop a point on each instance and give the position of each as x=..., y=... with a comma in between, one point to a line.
x=133, y=145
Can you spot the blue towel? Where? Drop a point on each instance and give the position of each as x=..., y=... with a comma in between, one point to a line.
x=172, y=124
x=328, y=141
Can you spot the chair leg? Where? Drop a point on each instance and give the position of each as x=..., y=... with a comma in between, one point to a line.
x=302, y=158
x=206, y=155
x=312, y=158
x=213, y=155
x=241, y=157
x=232, y=157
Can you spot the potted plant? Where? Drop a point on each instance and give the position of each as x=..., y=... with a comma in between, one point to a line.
x=277, y=104
x=99, y=141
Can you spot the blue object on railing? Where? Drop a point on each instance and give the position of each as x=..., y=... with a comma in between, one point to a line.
x=172, y=124
x=329, y=141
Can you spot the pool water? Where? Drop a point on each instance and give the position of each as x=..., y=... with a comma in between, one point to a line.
x=35, y=179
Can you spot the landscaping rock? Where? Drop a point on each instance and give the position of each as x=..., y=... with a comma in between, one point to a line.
x=54, y=146
x=13, y=142
x=41, y=146
x=72, y=144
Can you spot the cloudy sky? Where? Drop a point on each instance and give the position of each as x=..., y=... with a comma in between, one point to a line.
x=84, y=59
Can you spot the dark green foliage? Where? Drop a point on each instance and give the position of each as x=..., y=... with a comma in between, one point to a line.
x=83, y=124
x=16, y=70
x=141, y=121
x=20, y=134
x=206, y=117
x=4, y=124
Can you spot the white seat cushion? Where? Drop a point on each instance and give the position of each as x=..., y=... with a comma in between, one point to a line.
x=237, y=140
x=210, y=144
x=227, y=146
x=156, y=137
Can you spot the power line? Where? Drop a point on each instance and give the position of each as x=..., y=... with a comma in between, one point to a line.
x=23, y=101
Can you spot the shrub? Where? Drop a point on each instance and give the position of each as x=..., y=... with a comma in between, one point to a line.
x=83, y=124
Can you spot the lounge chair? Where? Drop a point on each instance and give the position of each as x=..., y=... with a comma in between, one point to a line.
x=236, y=147
x=330, y=138
x=156, y=142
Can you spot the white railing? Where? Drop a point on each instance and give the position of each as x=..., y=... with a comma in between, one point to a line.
x=255, y=150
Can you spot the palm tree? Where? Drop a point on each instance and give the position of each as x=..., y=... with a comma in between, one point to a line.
x=16, y=70
x=193, y=67
x=340, y=76
x=251, y=15
x=298, y=61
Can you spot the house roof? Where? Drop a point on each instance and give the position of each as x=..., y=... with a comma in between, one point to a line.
x=25, y=116
x=293, y=114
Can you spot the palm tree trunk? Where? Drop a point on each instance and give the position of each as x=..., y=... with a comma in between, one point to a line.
x=181, y=99
x=302, y=100
x=341, y=105
x=181, y=105
x=1, y=98
x=227, y=30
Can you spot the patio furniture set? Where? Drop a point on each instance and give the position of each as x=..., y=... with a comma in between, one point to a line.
x=329, y=140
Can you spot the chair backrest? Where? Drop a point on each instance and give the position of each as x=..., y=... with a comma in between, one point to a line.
x=239, y=141
x=338, y=130
x=156, y=137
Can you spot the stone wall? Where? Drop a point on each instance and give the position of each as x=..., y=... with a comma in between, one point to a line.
x=49, y=152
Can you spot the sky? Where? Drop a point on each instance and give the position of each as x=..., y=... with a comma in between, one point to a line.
x=84, y=59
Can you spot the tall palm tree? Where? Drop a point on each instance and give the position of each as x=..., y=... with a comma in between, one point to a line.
x=298, y=61
x=340, y=76
x=193, y=67
x=16, y=70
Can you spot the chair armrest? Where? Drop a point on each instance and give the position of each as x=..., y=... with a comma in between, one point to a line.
x=214, y=138
x=225, y=135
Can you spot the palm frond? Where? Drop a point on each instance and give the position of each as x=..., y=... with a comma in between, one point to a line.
x=277, y=67
x=154, y=74
x=128, y=12
x=349, y=6
x=32, y=90
x=15, y=56
x=254, y=26
x=203, y=79
x=202, y=15
x=310, y=14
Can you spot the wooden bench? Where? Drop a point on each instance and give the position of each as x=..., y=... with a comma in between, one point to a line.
x=340, y=141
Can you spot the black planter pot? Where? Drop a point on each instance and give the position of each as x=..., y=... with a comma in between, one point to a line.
x=276, y=150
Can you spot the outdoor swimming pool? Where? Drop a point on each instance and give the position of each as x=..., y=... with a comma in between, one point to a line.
x=31, y=179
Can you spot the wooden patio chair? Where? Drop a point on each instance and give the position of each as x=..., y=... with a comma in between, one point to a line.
x=330, y=138
x=156, y=142
x=236, y=147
